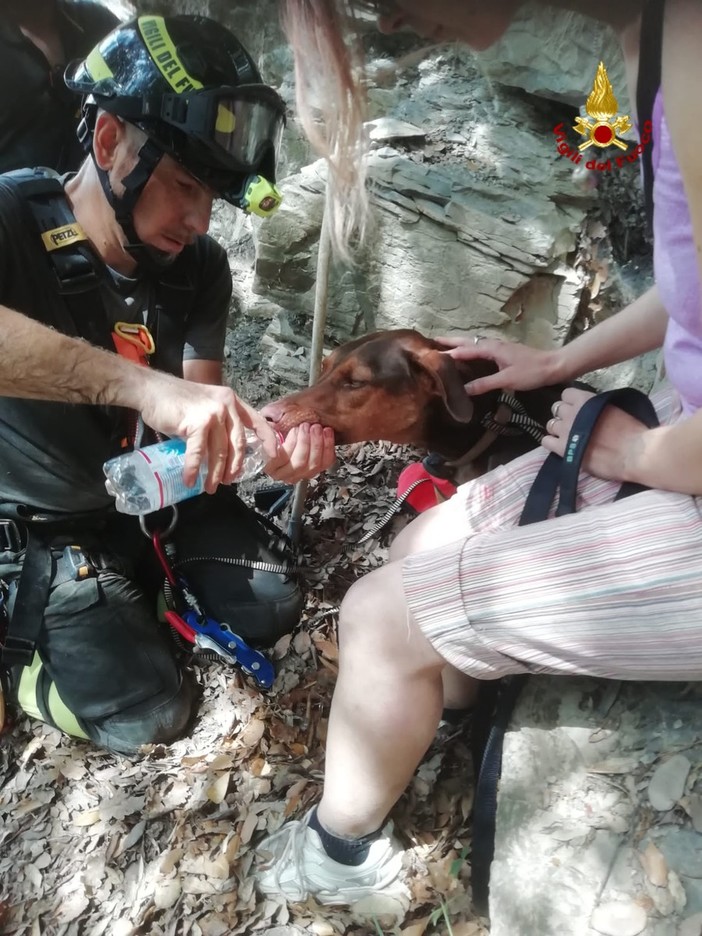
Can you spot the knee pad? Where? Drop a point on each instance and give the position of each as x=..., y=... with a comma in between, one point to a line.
x=160, y=720
x=39, y=698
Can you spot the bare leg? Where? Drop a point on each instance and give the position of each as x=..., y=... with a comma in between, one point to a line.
x=437, y=527
x=386, y=706
x=460, y=690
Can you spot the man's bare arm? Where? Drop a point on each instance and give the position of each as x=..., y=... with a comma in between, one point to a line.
x=39, y=363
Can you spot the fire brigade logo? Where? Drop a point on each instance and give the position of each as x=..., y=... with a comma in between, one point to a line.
x=601, y=107
x=602, y=128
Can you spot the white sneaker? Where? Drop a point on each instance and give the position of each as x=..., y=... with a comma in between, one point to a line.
x=295, y=864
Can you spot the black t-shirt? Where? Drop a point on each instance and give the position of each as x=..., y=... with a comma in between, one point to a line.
x=38, y=114
x=51, y=454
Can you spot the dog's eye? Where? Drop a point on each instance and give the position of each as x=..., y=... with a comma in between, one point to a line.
x=352, y=384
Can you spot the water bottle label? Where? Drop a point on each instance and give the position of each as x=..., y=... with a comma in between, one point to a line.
x=166, y=461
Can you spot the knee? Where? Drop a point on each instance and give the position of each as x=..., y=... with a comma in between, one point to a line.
x=362, y=608
x=416, y=536
x=276, y=610
x=375, y=624
x=260, y=606
x=435, y=528
x=372, y=616
x=374, y=599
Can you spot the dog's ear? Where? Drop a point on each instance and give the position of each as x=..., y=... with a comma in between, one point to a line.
x=444, y=379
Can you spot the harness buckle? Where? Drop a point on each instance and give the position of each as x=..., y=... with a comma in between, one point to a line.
x=11, y=539
x=77, y=278
x=17, y=651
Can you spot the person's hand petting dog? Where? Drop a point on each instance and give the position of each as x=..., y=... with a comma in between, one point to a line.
x=612, y=443
x=519, y=366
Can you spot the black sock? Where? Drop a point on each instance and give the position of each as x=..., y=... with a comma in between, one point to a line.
x=347, y=851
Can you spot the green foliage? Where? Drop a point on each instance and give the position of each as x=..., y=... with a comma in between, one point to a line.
x=442, y=911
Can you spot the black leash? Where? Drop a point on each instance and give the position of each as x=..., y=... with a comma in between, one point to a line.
x=562, y=473
x=556, y=476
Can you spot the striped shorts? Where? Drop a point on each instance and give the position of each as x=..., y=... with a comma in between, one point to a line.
x=613, y=591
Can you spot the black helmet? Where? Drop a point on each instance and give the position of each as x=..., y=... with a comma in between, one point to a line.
x=191, y=86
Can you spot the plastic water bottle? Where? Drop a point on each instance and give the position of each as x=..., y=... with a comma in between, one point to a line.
x=150, y=478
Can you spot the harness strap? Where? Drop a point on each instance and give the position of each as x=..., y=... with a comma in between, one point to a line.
x=27, y=616
x=520, y=419
x=45, y=564
x=495, y=426
x=510, y=418
x=77, y=267
x=79, y=273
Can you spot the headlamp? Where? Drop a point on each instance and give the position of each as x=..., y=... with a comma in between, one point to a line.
x=259, y=197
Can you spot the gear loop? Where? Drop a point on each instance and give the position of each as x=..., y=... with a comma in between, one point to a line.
x=163, y=534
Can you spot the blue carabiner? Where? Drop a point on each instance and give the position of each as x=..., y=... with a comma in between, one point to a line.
x=232, y=647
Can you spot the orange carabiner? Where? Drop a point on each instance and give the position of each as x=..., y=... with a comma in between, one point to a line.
x=133, y=341
x=138, y=334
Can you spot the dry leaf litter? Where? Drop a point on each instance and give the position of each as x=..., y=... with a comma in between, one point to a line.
x=94, y=843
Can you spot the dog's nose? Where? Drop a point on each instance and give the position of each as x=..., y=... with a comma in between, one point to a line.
x=273, y=412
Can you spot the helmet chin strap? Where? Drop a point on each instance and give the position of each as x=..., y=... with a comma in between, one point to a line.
x=148, y=258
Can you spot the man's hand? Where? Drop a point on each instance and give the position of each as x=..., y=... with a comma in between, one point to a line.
x=616, y=436
x=210, y=418
x=306, y=451
x=519, y=367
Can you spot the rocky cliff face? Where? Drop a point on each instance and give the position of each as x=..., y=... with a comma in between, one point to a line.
x=478, y=221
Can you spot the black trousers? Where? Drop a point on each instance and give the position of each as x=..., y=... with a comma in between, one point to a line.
x=102, y=647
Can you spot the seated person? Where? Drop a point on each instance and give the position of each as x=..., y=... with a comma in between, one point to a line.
x=614, y=591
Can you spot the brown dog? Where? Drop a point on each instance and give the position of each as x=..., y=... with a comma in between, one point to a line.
x=399, y=386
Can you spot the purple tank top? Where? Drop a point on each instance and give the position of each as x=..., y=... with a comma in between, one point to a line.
x=675, y=268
